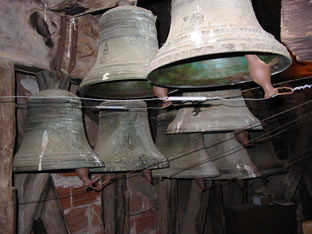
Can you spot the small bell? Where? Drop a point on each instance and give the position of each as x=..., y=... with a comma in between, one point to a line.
x=128, y=43
x=54, y=136
x=186, y=152
x=230, y=157
x=124, y=140
x=226, y=113
x=263, y=155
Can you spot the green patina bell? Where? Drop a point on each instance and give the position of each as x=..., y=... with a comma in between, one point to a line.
x=230, y=157
x=54, y=137
x=185, y=152
x=225, y=114
x=124, y=139
x=128, y=43
x=207, y=42
x=263, y=155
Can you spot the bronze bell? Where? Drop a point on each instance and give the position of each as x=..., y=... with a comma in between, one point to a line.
x=124, y=140
x=263, y=155
x=186, y=152
x=230, y=157
x=215, y=115
x=54, y=136
x=128, y=42
x=207, y=42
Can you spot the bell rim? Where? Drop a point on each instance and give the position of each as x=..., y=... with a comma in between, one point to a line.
x=208, y=83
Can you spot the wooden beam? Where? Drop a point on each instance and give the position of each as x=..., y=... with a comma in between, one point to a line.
x=296, y=30
x=31, y=189
x=115, y=206
x=82, y=7
x=7, y=141
x=28, y=33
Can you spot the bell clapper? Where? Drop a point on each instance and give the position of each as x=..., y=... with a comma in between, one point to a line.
x=201, y=182
x=242, y=137
x=260, y=73
x=148, y=175
x=83, y=174
x=163, y=94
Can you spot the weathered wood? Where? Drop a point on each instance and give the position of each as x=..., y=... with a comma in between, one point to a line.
x=115, y=206
x=30, y=189
x=296, y=30
x=193, y=207
x=203, y=210
x=37, y=199
x=78, y=63
x=28, y=33
x=163, y=195
x=81, y=7
x=51, y=213
x=215, y=219
x=7, y=139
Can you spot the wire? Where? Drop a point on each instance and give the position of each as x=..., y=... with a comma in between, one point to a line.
x=216, y=158
x=126, y=176
x=173, y=98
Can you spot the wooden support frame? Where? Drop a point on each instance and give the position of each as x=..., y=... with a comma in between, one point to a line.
x=7, y=140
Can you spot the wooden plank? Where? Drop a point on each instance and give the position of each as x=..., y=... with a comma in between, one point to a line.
x=115, y=203
x=51, y=213
x=193, y=207
x=7, y=140
x=28, y=33
x=296, y=29
x=163, y=194
x=82, y=7
x=30, y=189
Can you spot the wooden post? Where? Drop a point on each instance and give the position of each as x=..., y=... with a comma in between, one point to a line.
x=7, y=139
x=30, y=188
x=115, y=202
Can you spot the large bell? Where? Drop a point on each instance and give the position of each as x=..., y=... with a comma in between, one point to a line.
x=186, y=152
x=124, y=140
x=54, y=136
x=230, y=157
x=207, y=42
x=128, y=42
x=263, y=155
x=215, y=115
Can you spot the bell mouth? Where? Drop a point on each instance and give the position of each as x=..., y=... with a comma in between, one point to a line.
x=118, y=89
x=213, y=70
x=121, y=89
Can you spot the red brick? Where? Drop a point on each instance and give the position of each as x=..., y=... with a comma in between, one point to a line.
x=64, y=195
x=132, y=225
x=69, y=174
x=138, y=203
x=97, y=217
x=145, y=221
x=77, y=219
x=82, y=197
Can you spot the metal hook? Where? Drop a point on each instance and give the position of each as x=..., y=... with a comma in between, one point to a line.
x=291, y=91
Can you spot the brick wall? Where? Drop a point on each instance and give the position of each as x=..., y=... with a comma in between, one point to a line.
x=82, y=209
